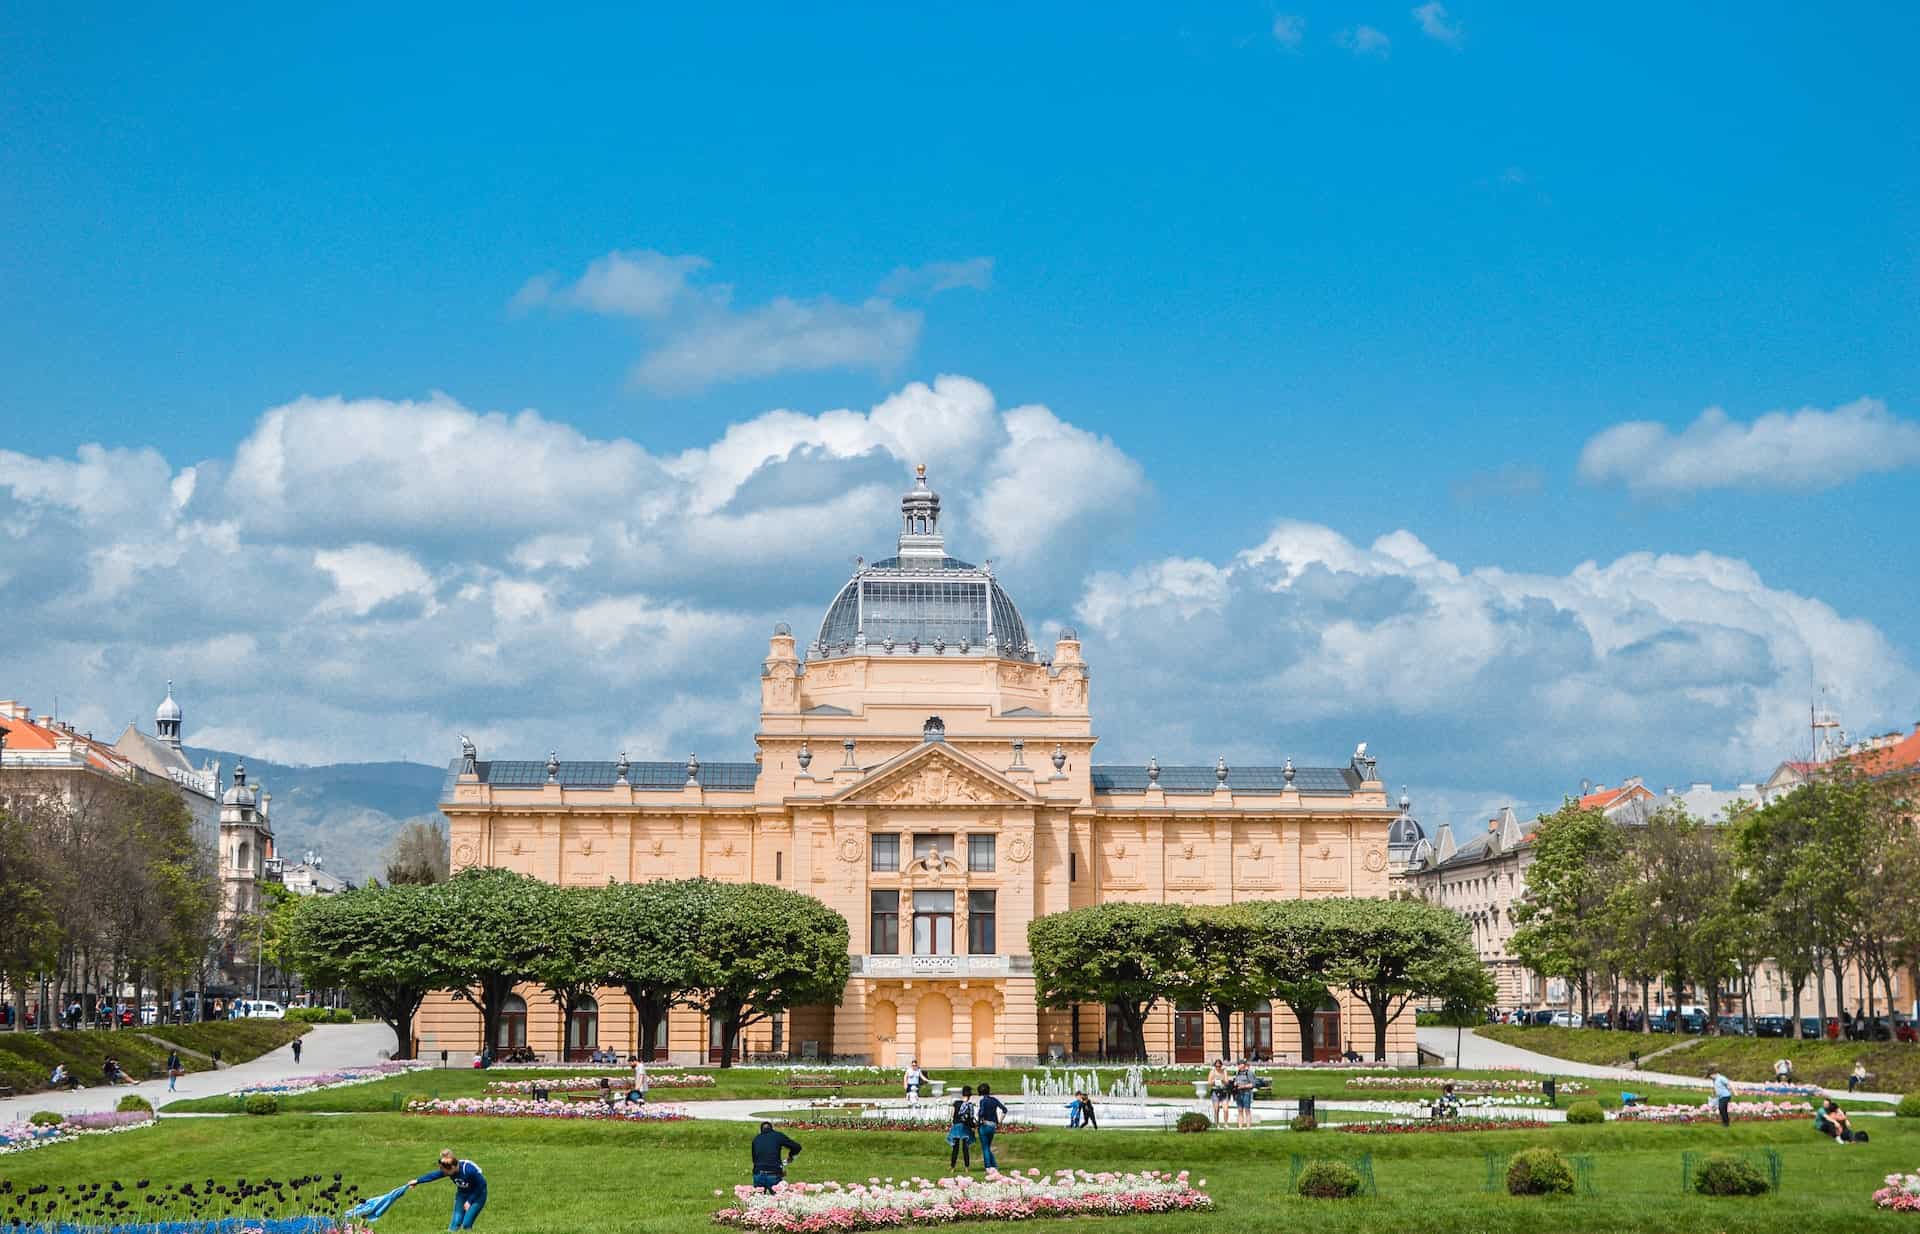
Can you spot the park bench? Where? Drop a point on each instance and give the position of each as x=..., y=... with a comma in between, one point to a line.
x=799, y=1080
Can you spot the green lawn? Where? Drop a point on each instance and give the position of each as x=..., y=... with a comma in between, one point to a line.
x=27, y=1059
x=574, y=1178
x=390, y=1094
x=1894, y=1065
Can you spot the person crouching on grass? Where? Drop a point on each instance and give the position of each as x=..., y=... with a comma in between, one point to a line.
x=469, y=1188
x=769, y=1170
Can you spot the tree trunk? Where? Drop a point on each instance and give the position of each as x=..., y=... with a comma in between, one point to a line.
x=1304, y=1016
x=1225, y=1016
x=1379, y=1011
x=1646, y=1008
x=1819, y=976
x=1135, y=1018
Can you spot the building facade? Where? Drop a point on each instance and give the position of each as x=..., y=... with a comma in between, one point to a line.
x=927, y=770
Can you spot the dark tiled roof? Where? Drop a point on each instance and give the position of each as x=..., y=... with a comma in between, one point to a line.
x=1311, y=781
x=647, y=777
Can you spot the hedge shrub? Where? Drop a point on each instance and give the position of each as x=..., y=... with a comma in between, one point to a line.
x=47, y=1118
x=1539, y=1171
x=1721, y=1174
x=261, y=1103
x=134, y=1101
x=1305, y=1122
x=1329, y=1180
x=1585, y=1112
x=320, y=1015
x=1192, y=1121
x=1909, y=1106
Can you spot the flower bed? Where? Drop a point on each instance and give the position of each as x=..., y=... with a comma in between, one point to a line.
x=586, y=1083
x=1739, y=1111
x=1779, y=1090
x=878, y=1204
x=331, y=1079
x=1901, y=1194
x=1398, y=1126
x=19, y=1137
x=304, y=1205
x=1462, y=1087
x=852, y=1122
x=516, y=1107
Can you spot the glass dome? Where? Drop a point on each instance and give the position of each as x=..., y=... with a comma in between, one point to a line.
x=923, y=602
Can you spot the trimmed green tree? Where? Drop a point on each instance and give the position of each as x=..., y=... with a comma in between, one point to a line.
x=1388, y=953
x=1292, y=951
x=1125, y=955
x=648, y=934
x=496, y=929
x=1217, y=969
x=379, y=943
x=761, y=950
x=574, y=962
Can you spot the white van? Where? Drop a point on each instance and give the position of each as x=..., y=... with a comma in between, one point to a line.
x=258, y=1009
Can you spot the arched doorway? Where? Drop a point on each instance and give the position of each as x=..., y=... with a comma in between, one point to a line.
x=1256, y=1032
x=583, y=1029
x=1189, y=1033
x=933, y=1031
x=512, y=1028
x=1326, y=1032
x=985, y=1039
x=886, y=1022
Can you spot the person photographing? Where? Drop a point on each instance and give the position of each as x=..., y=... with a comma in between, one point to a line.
x=769, y=1170
x=469, y=1188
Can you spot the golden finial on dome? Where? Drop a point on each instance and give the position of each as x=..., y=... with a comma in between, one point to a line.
x=920, y=471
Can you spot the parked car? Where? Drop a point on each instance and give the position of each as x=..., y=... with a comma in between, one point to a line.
x=1735, y=1026
x=1772, y=1026
x=257, y=1009
x=1540, y=1019
x=1566, y=1019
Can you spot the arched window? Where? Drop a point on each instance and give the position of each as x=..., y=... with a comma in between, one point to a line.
x=512, y=1030
x=1256, y=1032
x=583, y=1029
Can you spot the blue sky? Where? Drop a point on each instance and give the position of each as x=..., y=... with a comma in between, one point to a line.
x=1364, y=269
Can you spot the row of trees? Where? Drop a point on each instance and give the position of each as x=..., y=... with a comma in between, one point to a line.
x=1823, y=879
x=739, y=952
x=101, y=884
x=1230, y=958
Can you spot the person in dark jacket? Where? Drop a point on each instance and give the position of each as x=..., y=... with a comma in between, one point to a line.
x=960, y=1134
x=296, y=1051
x=989, y=1110
x=173, y=1070
x=469, y=1188
x=768, y=1167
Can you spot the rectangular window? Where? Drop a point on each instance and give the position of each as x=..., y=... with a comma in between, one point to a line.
x=886, y=852
x=883, y=936
x=931, y=845
x=778, y=1044
x=980, y=854
x=1073, y=867
x=778, y=865
x=933, y=923
x=980, y=915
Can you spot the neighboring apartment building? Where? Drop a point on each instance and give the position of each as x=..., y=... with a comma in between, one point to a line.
x=952, y=798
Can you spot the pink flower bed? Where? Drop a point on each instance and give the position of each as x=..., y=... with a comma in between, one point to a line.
x=1739, y=1111
x=332, y=1079
x=1428, y=1126
x=890, y=1204
x=1462, y=1086
x=621, y=1081
x=516, y=1107
x=1900, y=1195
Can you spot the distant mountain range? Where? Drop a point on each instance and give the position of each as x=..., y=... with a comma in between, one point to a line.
x=346, y=813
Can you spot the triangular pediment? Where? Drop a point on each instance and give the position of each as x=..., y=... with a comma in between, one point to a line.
x=935, y=774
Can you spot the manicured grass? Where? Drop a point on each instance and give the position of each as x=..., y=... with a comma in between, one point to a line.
x=27, y=1059
x=237, y=1040
x=575, y=1178
x=1894, y=1065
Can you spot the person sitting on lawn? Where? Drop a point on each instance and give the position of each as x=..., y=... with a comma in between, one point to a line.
x=1831, y=1120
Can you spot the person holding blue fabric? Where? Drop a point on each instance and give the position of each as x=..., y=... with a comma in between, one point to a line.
x=469, y=1188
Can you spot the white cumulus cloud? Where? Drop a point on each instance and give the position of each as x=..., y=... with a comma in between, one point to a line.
x=782, y=336
x=1364, y=41
x=1792, y=451
x=1432, y=19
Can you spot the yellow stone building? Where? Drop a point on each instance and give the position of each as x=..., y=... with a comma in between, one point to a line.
x=929, y=773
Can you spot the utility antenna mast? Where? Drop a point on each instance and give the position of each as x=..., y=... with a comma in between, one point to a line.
x=1825, y=726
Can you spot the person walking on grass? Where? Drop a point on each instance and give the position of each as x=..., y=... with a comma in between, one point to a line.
x=990, y=1111
x=915, y=1078
x=1722, y=1096
x=296, y=1051
x=966, y=1117
x=768, y=1168
x=469, y=1188
x=1088, y=1119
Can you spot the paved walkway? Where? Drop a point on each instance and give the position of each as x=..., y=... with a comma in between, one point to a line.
x=1477, y=1052
x=327, y=1048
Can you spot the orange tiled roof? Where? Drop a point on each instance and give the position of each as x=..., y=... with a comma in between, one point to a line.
x=26, y=734
x=1902, y=754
